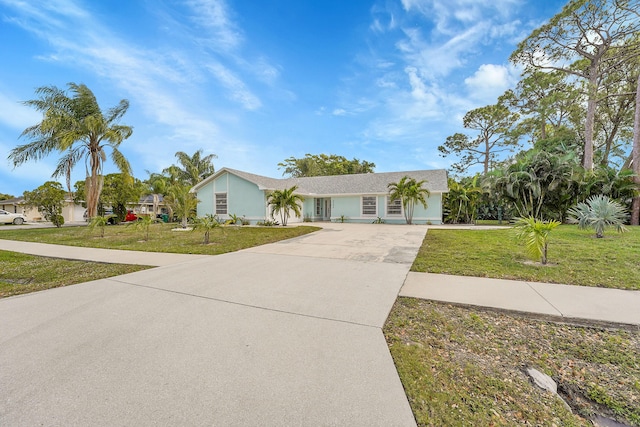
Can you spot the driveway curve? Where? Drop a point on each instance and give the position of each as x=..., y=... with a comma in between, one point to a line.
x=282, y=334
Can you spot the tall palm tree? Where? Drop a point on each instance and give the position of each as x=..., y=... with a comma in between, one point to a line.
x=182, y=202
x=410, y=192
x=283, y=201
x=75, y=125
x=195, y=168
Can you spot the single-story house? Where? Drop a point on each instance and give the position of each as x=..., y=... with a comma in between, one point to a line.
x=70, y=210
x=350, y=198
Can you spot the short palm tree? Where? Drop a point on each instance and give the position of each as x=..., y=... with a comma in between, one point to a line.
x=410, y=192
x=599, y=212
x=283, y=201
x=534, y=233
x=75, y=125
x=206, y=223
x=182, y=202
x=98, y=221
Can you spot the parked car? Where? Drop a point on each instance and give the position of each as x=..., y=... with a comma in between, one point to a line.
x=130, y=216
x=11, y=218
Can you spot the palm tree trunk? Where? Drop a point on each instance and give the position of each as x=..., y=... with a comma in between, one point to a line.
x=635, y=206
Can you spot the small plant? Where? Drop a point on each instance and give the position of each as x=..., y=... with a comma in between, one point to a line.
x=267, y=223
x=206, y=223
x=378, y=221
x=599, y=212
x=98, y=221
x=143, y=222
x=307, y=218
x=534, y=233
x=342, y=218
x=234, y=220
x=245, y=221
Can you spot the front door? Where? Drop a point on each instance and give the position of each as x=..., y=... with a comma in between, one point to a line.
x=327, y=210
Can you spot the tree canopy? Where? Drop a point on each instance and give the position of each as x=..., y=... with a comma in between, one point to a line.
x=324, y=165
x=49, y=200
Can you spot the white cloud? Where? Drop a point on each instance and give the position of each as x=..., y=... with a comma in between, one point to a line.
x=237, y=89
x=16, y=115
x=490, y=81
x=213, y=17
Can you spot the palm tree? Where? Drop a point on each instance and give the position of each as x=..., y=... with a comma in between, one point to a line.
x=195, y=168
x=75, y=125
x=207, y=223
x=599, y=212
x=535, y=235
x=282, y=201
x=410, y=192
x=182, y=202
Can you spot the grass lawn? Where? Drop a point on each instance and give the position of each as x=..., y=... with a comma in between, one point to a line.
x=576, y=257
x=466, y=367
x=20, y=273
x=161, y=238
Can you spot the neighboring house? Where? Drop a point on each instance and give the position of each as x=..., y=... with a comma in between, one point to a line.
x=352, y=198
x=70, y=211
x=146, y=205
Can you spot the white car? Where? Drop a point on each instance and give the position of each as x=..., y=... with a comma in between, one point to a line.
x=9, y=218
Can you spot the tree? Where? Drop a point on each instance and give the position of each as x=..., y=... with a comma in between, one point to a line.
x=599, y=212
x=75, y=125
x=206, y=223
x=635, y=156
x=49, y=200
x=495, y=127
x=324, y=165
x=100, y=222
x=182, y=202
x=410, y=192
x=118, y=191
x=284, y=201
x=195, y=168
x=4, y=196
x=534, y=233
x=600, y=34
x=462, y=199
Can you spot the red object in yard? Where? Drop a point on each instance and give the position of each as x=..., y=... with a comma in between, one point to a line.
x=130, y=216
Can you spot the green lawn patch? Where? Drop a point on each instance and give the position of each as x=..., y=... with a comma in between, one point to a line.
x=576, y=257
x=464, y=367
x=21, y=274
x=161, y=238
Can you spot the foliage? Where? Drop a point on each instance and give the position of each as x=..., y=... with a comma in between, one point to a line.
x=183, y=203
x=378, y=220
x=324, y=165
x=283, y=201
x=410, y=192
x=4, y=196
x=119, y=191
x=267, y=223
x=495, y=127
x=599, y=212
x=143, y=222
x=75, y=125
x=534, y=234
x=460, y=203
x=194, y=168
x=206, y=223
x=100, y=222
x=608, y=263
x=49, y=200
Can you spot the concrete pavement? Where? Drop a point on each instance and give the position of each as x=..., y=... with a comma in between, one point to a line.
x=580, y=303
x=269, y=336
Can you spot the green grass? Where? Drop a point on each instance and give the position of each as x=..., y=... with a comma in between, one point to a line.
x=20, y=273
x=576, y=257
x=464, y=367
x=161, y=238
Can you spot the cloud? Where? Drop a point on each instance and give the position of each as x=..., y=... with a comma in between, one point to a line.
x=490, y=81
x=213, y=17
x=16, y=115
x=237, y=89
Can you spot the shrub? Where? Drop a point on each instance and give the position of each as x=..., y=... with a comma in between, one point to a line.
x=599, y=212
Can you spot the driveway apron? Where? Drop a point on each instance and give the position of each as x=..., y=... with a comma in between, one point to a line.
x=282, y=334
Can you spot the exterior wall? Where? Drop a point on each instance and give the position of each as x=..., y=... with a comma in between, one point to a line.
x=205, y=200
x=351, y=208
x=244, y=198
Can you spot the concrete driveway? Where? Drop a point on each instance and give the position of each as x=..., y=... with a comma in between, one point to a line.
x=282, y=334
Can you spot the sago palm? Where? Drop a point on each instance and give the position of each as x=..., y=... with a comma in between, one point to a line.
x=534, y=233
x=75, y=126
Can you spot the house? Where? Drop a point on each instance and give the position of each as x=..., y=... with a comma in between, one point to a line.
x=70, y=210
x=350, y=198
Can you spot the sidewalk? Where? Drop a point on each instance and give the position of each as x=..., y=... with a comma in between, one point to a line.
x=569, y=302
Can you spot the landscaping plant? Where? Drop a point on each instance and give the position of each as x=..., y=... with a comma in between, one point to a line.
x=206, y=223
x=599, y=212
x=534, y=233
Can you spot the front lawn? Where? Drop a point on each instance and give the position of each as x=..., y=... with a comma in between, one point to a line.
x=161, y=238
x=21, y=274
x=576, y=257
x=466, y=367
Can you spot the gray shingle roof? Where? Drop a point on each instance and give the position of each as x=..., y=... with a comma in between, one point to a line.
x=367, y=183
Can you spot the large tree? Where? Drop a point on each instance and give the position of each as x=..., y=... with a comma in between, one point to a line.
x=283, y=202
x=588, y=39
x=323, y=165
x=48, y=199
x=74, y=126
x=495, y=134
x=409, y=192
x=635, y=162
x=195, y=168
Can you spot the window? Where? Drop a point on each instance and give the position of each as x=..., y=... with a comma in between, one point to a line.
x=394, y=207
x=318, y=207
x=221, y=203
x=369, y=205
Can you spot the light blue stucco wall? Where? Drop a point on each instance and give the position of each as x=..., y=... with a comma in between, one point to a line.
x=351, y=208
x=205, y=200
x=243, y=198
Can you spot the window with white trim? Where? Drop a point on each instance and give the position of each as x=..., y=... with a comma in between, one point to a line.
x=394, y=207
x=369, y=205
x=221, y=203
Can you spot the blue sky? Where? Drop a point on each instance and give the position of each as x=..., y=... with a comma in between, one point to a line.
x=257, y=82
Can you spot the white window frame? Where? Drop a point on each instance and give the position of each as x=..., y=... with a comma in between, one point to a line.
x=219, y=205
x=393, y=205
x=318, y=206
x=364, y=208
